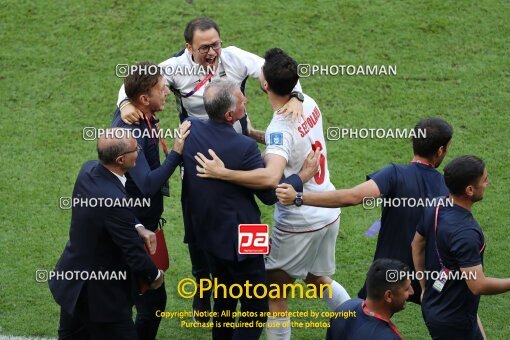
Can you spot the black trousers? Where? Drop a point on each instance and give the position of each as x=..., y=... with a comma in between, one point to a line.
x=79, y=326
x=147, y=323
x=199, y=263
x=251, y=270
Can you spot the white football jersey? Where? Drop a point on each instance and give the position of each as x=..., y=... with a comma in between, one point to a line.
x=234, y=64
x=294, y=141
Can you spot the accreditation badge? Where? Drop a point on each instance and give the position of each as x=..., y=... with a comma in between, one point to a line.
x=441, y=281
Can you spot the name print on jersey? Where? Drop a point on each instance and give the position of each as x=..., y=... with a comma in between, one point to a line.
x=309, y=122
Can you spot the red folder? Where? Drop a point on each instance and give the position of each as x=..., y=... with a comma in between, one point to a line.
x=160, y=259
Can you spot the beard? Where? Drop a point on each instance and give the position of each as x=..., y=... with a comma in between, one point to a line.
x=477, y=198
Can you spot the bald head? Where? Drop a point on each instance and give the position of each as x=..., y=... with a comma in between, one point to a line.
x=113, y=143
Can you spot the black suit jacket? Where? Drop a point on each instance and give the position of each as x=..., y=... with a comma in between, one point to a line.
x=213, y=209
x=101, y=239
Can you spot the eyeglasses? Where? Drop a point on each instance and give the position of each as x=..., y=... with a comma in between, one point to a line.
x=138, y=149
x=205, y=48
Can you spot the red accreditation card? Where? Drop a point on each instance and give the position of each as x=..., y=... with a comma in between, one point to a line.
x=160, y=259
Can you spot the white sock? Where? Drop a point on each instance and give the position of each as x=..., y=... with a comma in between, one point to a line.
x=338, y=297
x=278, y=328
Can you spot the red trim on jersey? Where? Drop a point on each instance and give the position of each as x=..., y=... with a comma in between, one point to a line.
x=308, y=231
x=483, y=247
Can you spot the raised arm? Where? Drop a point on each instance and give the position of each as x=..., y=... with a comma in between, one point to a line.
x=331, y=199
x=150, y=181
x=128, y=112
x=253, y=64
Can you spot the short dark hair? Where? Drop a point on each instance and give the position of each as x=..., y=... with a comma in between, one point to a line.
x=219, y=98
x=380, y=277
x=280, y=71
x=437, y=134
x=462, y=172
x=141, y=78
x=202, y=24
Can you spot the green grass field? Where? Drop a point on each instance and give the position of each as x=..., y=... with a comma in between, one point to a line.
x=58, y=75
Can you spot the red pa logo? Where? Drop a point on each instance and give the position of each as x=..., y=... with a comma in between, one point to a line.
x=253, y=239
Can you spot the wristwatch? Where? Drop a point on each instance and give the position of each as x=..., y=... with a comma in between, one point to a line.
x=298, y=95
x=298, y=201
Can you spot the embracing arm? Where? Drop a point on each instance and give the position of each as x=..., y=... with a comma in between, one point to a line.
x=149, y=181
x=129, y=113
x=260, y=178
x=253, y=64
x=331, y=199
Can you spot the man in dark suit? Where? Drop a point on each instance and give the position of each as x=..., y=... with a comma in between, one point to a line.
x=214, y=209
x=102, y=240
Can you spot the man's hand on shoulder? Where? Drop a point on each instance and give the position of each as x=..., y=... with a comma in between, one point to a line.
x=210, y=168
x=130, y=114
x=293, y=107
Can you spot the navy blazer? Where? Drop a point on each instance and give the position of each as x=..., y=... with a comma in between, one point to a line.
x=101, y=239
x=213, y=209
x=147, y=177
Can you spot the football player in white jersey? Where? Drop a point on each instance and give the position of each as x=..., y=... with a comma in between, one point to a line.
x=303, y=239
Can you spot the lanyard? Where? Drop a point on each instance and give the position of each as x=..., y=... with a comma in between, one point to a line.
x=378, y=316
x=202, y=83
x=435, y=238
x=163, y=144
x=198, y=86
x=420, y=162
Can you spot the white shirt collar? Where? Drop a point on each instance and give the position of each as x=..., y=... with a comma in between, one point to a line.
x=122, y=178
